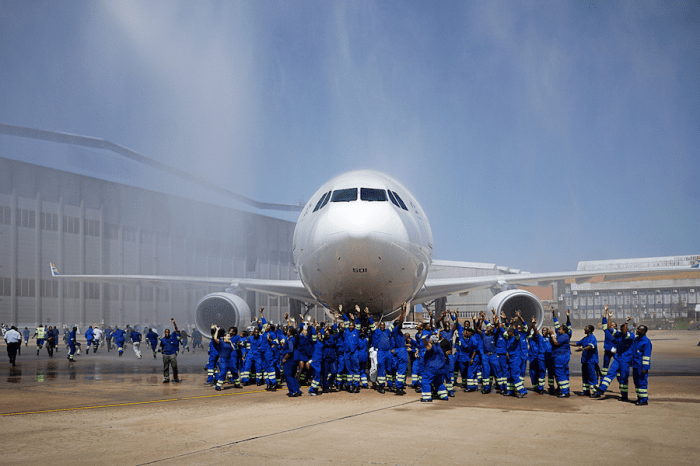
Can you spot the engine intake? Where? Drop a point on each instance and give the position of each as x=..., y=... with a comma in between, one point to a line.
x=223, y=309
x=518, y=300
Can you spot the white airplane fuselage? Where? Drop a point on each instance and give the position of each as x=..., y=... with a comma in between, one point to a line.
x=373, y=249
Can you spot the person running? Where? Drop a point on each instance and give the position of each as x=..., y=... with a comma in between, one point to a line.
x=89, y=336
x=72, y=343
x=97, y=335
x=152, y=338
x=14, y=341
x=40, y=335
x=136, y=342
x=118, y=335
x=50, y=341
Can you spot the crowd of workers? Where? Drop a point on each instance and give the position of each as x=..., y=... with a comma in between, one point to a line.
x=485, y=354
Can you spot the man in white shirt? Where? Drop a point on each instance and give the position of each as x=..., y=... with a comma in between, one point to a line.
x=13, y=339
x=96, y=337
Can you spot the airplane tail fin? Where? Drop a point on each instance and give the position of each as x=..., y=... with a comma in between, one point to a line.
x=54, y=270
x=696, y=264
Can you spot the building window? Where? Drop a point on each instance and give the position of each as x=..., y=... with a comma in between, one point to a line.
x=92, y=291
x=129, y=234
x=71, y=225
x=91, y=227
x=163, y=295
x=48, y=288
x=110, y=231
x=5, y=215
x=130, y=293
x=111, y=292
x=5, y=286
x=71, y=290
x=48, y=221
x=147, y=294
x=146, y=237
x=26, y=218
x=25, y=287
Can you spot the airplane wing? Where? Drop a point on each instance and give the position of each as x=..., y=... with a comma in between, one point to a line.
x=439, y=287
x=294, y=289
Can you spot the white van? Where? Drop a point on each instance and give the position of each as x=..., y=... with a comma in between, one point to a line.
x=409, y=325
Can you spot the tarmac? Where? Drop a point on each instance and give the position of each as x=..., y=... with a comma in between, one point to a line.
x=109, y=409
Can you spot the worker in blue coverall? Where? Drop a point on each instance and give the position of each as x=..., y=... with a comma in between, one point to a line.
x=351, y=336
x=152, y=338
x=515, y=384
x=253, y=359
x=213, y=360
x=363, y=358
x=475, y=352
x=170, y=344
x=641, y=362
x=226, y=354
x=118, y=335
x=623, y=339
x=489, y=358
x=382, y=341
x=588, y=346
x=235, y=367
x=89, y=333
x=316, y=361
x=535, y=357
x=561, y=353
x=609, y=348
x=432, y=369
x=501, y=351
x=71, y=343
x=290, y=365
x=400, y=352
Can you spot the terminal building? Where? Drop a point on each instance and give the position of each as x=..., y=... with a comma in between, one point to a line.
x=88, y=225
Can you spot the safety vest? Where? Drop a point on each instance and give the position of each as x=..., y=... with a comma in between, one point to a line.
x=40, y=333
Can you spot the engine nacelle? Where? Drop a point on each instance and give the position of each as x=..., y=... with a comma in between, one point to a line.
x=518, y=300
x=223, y=309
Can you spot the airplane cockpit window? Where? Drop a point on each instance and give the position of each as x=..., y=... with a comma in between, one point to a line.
x=328, y=198
x=393, y=199
x=371, y=194
x=399, y=200
x=323, y=201
x=344, y=195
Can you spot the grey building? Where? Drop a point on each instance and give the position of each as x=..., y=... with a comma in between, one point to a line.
x=661, y=299
x=91, y=226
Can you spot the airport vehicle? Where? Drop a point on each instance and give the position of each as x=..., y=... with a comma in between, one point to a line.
x=409, y=325
x=363, y=239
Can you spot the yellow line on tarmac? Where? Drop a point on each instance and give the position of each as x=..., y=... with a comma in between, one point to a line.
x=134, y=403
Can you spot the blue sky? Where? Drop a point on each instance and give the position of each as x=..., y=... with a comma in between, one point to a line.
x=534, y=134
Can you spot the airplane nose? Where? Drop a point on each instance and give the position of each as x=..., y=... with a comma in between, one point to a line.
x=360, y=221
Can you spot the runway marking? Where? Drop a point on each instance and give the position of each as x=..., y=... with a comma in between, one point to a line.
x=134, y=403
x=257, y=437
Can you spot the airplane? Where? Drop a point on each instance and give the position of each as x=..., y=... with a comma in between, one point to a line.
x=363, y=239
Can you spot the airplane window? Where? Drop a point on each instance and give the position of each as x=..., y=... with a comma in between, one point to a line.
x=370, y=194
x=320, y=202
x=393, y=199
x=328, y=198
x=398, y=198
x=344, y=195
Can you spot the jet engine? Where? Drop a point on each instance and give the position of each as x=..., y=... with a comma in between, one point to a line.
x=223, y=309
x=518, y=300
